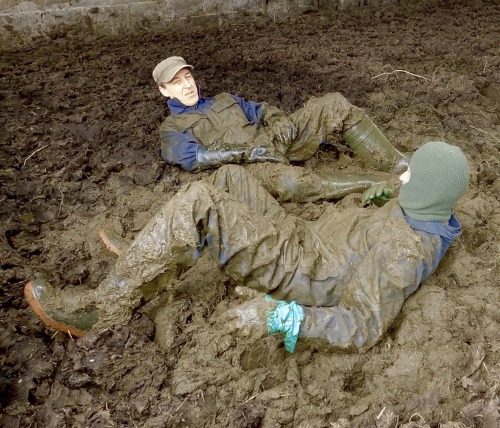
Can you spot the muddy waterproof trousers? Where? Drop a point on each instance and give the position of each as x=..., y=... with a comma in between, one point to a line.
x=320, y=120
x=252, y=239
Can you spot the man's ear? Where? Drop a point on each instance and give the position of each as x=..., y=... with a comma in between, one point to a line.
x=164, y=91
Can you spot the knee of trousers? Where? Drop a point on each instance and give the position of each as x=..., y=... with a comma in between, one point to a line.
x=331, y=98
x=226, y=174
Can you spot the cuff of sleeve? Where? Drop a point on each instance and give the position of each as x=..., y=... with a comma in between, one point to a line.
x=286, y=318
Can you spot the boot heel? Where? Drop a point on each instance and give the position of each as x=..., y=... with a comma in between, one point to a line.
x=42, y=299
x=112, y=242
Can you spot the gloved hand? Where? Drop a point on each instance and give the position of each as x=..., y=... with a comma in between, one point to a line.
x=378, y=194
x=207, y=158
x=264, y=154
x=283, y=128
x=249, y=318
x=285, y=318
x=263, y=315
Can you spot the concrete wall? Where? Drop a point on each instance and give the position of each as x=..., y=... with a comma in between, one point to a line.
x=22, y=22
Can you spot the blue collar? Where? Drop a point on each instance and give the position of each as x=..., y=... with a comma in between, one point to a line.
x=447, y=231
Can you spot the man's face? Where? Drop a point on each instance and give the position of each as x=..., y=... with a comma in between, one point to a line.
x=182, y=87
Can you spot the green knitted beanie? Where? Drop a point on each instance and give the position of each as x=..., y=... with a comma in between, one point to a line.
x=439, y=175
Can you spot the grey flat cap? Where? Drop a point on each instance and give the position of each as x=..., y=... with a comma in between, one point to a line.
x=165, y=70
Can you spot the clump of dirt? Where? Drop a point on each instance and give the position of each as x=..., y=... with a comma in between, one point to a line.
x=80, y=149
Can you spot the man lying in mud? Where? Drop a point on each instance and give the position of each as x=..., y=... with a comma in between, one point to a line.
x=340, y=280
x=206, y=132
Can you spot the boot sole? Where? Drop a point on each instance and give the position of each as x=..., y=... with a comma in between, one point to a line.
x=37, y=309
x=111, y=243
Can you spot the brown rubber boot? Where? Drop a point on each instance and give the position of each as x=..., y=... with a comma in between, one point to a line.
x=64, y=311
x=113, y=242
x=372, y=147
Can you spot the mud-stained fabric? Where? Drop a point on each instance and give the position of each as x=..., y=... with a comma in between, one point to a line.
x=297, y=184
x=244, y=242
x=351, y=271
x=226, y=121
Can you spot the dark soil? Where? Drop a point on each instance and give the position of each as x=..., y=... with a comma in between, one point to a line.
x=80, y=149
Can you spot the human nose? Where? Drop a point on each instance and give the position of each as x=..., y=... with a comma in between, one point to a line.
x=187, y=83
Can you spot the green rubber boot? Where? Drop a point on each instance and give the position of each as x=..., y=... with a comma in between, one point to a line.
x=372, y=147
x=69, y=312
x=336, y=185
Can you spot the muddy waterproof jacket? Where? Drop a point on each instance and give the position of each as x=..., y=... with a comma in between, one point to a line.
x=221, y=122
x=376, y=263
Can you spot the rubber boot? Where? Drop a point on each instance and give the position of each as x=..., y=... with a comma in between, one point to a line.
x=372, y=147
x=113, y=242
x=336, y=186
x=118, y=245
x=76, y=311
x=70, y=312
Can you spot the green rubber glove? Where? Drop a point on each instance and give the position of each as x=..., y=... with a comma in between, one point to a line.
x=286, y=319
x=378, y=194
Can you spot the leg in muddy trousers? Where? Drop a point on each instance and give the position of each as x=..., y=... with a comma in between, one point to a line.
x=327, y=118
x=243, y=240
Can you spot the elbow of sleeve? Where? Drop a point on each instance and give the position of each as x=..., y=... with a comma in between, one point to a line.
x=164, y=156
x=187, y=163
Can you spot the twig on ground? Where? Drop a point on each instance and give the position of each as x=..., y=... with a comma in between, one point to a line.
x=182, y=404
x=62, y=200
x=417, y=414
x=32, y=154
x=435, y=71
x=381, y=413
x=7, y=241
x=251, y=398
x=400, y=71
x=486, y=132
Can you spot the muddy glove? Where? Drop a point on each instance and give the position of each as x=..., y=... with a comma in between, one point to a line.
x=207, y=159
x=263, y=314
x=264, y=154
x=378, y=194
x=285, y=318
x=249, y=318
x=283, y=128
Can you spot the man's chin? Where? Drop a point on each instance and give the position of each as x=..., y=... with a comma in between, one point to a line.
x=191, y=101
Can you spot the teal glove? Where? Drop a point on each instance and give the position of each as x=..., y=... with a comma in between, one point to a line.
x=285, y=318
x=378, y=194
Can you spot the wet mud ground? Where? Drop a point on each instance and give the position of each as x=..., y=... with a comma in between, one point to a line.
x=79, y=149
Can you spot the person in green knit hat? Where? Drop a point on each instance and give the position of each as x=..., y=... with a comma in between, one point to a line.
x=339, y=281
x=204, y=133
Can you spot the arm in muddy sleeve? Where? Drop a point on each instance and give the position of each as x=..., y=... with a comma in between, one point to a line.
x=251, y=109
x=259, y=112
x=372, y=301
x=179, y=148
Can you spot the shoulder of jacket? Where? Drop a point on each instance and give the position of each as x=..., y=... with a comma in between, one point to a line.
x=225, y=96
